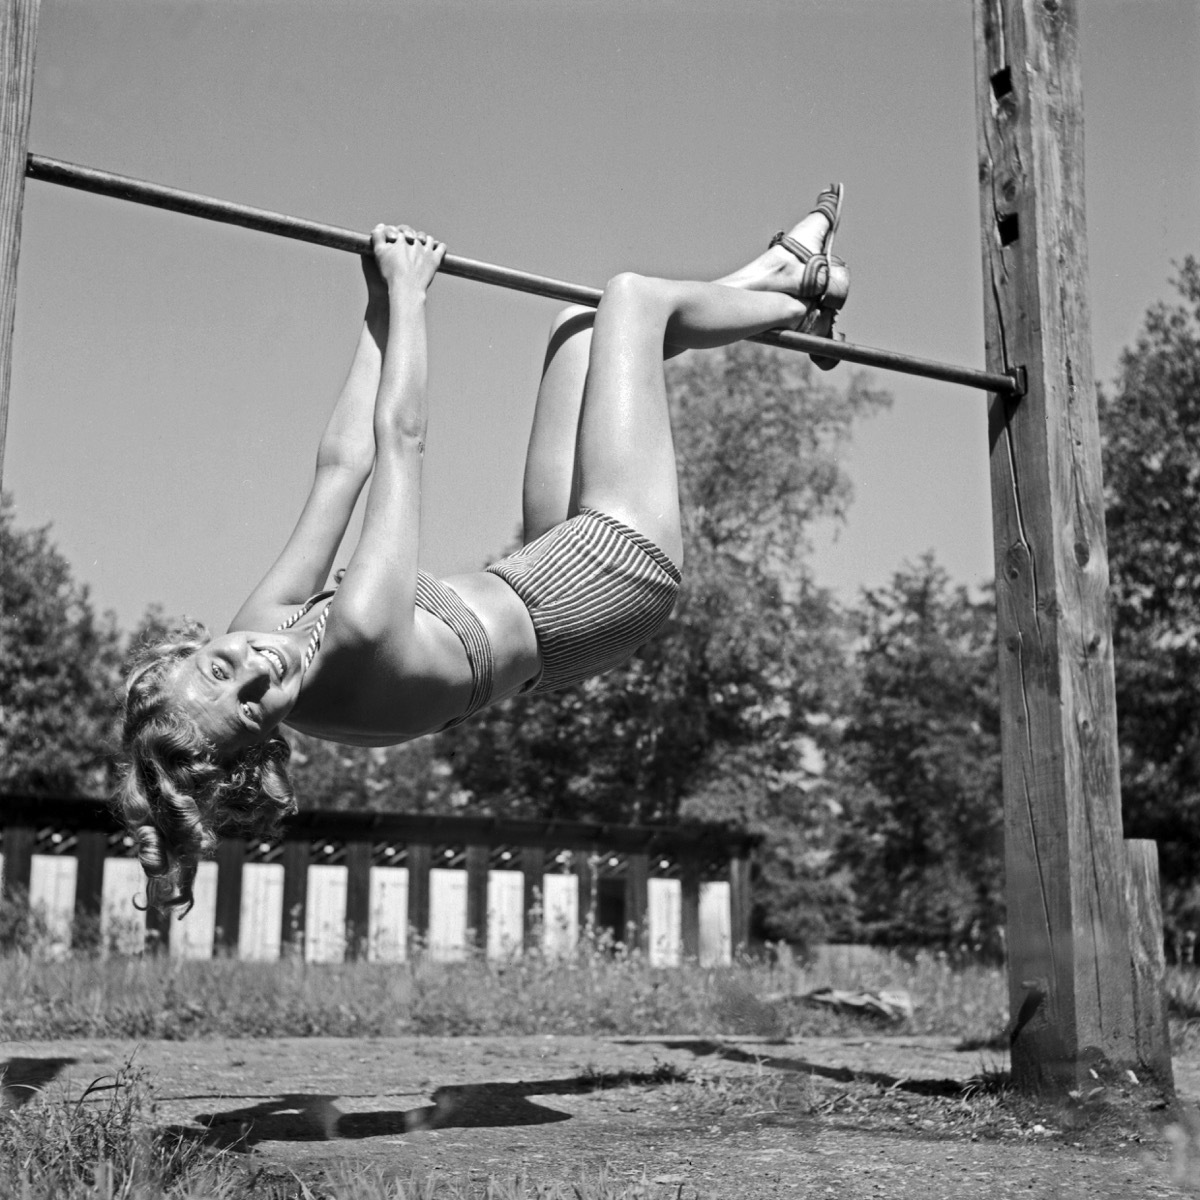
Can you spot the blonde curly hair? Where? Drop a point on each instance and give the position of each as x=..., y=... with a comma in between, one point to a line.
x=175, y=795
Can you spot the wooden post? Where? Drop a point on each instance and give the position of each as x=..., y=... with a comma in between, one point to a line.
x=420, y=860
x=477, y=894
x=739, y=900
x=358, y=898
x=295, y=856
x=18, y=860
x=689, y=907
x=158, y=931
x=581, y=864
x=1144, y=900
x=533, y=864
x=637, y=899
x=1070, y=982
x=91, y=846
x=231, y=854
x=18, y=41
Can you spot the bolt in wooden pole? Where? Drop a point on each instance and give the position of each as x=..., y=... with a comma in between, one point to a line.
x=1070, y=978
x=18, y=41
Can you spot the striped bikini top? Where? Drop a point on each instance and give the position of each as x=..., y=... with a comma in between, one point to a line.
x=314, y=641
x=438, y=600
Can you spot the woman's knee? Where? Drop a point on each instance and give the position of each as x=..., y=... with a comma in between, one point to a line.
x=568, y=323
x=630, y=292
x=626, y=286
x=572, y=318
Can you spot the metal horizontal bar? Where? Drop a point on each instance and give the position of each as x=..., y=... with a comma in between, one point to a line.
x=123, y=187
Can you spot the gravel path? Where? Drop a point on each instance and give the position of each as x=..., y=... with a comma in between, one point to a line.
x=813, y=1117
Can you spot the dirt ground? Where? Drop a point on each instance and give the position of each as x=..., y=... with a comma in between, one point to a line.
x=812, y=1117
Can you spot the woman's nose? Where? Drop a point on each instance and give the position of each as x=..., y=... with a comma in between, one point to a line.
x=256, y=681
x=255, y=666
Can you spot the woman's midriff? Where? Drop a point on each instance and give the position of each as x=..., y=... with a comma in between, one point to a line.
x=352, y=703
x=508, y=625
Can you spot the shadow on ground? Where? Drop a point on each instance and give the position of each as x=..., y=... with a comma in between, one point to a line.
x=780, y=1062
x=304, y=1116
x=22, y=1078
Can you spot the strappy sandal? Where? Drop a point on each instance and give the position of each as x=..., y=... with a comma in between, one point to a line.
x=826, y=277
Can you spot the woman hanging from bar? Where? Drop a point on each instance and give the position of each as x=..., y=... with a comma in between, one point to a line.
x=390, y=653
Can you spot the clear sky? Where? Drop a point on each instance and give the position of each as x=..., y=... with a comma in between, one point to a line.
x=171, y=376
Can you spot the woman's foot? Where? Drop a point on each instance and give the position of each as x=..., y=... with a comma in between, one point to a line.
x=779, y=269
x=799, y=263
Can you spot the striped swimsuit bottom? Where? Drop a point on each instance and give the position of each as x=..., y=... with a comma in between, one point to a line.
x=596, y=591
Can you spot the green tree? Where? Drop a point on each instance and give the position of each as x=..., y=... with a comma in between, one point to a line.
x=409, y=778
x=1150, y=427
x=59, y=670
x=924, y=840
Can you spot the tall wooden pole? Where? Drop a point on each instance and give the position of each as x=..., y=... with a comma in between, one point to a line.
x=18, y=39
x=1070, y=980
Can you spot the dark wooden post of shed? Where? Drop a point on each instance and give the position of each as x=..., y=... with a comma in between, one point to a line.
x=533, y=864
x=18, y=41
x=231, y=854
x=91, y=847
x=295, y=857
x=637, y=899
x=158, y=930
x=420, y=860
x=739, y=899
x=18, y=860
x=585, y=872
x=1070, y=980
x=358, y=898
x=477, y=894
x=689, y=906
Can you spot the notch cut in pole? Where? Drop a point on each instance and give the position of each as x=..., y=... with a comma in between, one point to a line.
x=123, y=187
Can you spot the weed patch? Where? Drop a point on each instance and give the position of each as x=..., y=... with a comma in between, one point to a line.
x=104, y=1143
x=596, y=990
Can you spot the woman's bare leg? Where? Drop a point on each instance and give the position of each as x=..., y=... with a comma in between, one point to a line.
x=626, y=454
x=551, y=489
x=614, y=450
x=550, y=494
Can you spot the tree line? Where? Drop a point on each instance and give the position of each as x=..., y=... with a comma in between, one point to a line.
x=861, y=741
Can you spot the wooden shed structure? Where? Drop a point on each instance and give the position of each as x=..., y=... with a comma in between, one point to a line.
x=384, y=886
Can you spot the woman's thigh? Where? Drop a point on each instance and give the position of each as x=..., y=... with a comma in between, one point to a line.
x=550, y=493
x=626, y=455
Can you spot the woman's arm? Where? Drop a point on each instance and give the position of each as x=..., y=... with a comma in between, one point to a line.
x=376, y=601
x=344, y=459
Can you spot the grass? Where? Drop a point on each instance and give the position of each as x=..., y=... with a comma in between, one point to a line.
x=108, y=1145
x=595, y=991
x=103, y=1144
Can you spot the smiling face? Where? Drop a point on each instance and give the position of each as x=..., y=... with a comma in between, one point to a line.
x=239, y=687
